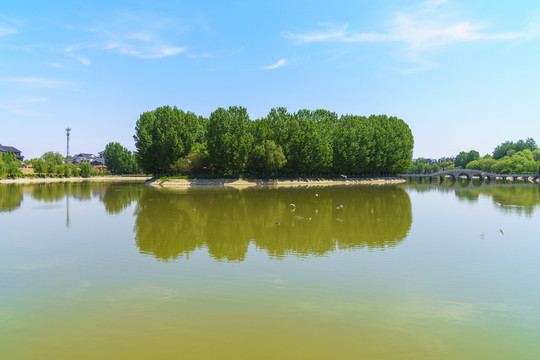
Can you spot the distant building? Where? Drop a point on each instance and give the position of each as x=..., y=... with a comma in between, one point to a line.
x=17, y=152
x=83, y=157
x=99, y=161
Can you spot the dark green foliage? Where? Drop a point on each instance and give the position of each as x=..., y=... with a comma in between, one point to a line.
x=119, y=159
x=86, y=169
x=229, y=139
x=9, y=165
x=423, y=166
x=305, y=142
x=484, y=164
x=377, y=144
x=507, y=147
x=310, y=141
x=267, y=158
x=50, y=163
x=464, y=158
x=197, y=161
x=163, y=136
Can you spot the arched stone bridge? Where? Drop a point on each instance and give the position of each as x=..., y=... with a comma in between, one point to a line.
x=470, y=174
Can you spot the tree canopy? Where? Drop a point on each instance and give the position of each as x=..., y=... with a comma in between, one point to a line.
x=305, y=142
x=229, y=139
x=163, y=136
x=119, y=159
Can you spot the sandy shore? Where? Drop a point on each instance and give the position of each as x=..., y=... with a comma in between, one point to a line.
x=99, y=179
x=242, y=184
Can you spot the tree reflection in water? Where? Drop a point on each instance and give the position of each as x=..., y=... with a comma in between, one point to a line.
x=518, y=198
x=11, y=197
x=172, y=224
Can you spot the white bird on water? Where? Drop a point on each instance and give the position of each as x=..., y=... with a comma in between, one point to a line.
x=294, y=207
x=339, y=207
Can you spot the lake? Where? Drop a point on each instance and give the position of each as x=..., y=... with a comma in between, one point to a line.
x=113, y=271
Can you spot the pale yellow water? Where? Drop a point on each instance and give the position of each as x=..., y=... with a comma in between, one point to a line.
x=410, y=272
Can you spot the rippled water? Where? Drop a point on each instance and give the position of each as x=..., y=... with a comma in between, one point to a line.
x=445, y=271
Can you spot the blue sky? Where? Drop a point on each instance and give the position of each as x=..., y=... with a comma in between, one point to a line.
x=464, y=75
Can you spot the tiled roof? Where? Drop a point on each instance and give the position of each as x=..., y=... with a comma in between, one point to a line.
x=8, y=148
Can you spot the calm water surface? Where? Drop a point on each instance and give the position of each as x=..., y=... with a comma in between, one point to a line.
x=447, y=271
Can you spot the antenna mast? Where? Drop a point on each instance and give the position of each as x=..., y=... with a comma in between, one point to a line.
x=68, y=129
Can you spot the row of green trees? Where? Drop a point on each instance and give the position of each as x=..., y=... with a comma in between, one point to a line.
x=55, y=164
x=171, y=140
x=118, y=159
x=522, y=162
x=521, y=157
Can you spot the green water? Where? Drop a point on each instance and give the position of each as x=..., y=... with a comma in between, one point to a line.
x=448, y=271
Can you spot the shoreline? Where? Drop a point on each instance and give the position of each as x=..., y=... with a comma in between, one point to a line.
x=201, y=183
x=95, y=179
x=277, y=183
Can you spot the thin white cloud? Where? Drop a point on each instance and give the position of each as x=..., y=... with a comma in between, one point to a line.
x=280, y=63
x=57, y=65
x=83, y=60
x=424, y=28
x=71, y=51
x=29, y=100
x=6, y=31
x=335, y=34
x=416, y=34
x=23, y=106
x=37, y=82
x=154, y=53
x=22, y=112
x=143, y=36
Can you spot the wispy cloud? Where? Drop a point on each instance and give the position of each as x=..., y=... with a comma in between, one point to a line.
x=37, y=82
x=73, y=51
x=156, y=52
x=145, y=37
x=6, y=31
x=419, y=30
x=23, y=106
x=280, y=63
x=29, y=100
x=57, y=65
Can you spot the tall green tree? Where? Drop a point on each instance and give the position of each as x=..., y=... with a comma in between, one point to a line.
x=163, y=136
x=229, y=139
x=119, y=159
x=310, y=141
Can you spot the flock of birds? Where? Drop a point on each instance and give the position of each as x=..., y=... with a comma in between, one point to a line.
x=293, y=209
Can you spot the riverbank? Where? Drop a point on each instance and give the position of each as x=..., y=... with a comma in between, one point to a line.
x=95, y=179
x=246, y=183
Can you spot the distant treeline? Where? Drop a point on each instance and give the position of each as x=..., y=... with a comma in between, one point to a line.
x=521, y=157
x=49, y=164
x=169, y=140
